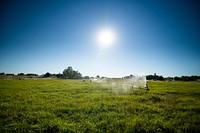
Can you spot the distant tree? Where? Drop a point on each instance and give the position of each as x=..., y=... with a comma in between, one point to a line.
x=31, y=74
x=177, y=78
x=184, y=78
x=78, y=76
x=46, y=75
x=59, y=75
x=97, y=76
x=126, y=77
x=154, y=77
x=149, y=77
x=160, y=78
x=69, y=73
x=187, y=78
x=86, y=77
x=194, y=78
x=2, y=73
x=21, y=74
x=10, y=74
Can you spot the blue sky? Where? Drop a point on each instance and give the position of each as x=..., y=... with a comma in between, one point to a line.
x=157, y=36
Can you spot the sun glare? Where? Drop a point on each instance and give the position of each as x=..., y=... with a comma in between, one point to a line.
x=106, y=37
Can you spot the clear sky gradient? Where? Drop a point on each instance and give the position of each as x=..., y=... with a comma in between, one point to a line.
x=153, y=36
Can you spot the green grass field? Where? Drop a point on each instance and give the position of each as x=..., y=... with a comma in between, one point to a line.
x=38, y=105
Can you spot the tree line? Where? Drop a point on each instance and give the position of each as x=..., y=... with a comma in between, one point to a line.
x=70, y=73
x=176, y=78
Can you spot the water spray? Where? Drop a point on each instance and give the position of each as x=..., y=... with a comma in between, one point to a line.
x=125, y=84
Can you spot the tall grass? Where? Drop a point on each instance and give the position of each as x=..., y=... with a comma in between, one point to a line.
x=38, y=105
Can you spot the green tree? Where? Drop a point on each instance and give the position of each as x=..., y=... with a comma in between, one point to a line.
x=21, y=74
x=2, y=73
x=78, y=76
x=46, y=75
x=69, y=73
x=97, y=76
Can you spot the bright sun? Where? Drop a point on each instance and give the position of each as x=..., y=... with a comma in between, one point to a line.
x=106, y=37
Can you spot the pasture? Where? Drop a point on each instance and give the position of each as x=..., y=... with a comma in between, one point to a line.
x=51, y=105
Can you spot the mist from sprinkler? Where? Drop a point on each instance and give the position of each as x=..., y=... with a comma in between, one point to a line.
x=124, y=85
